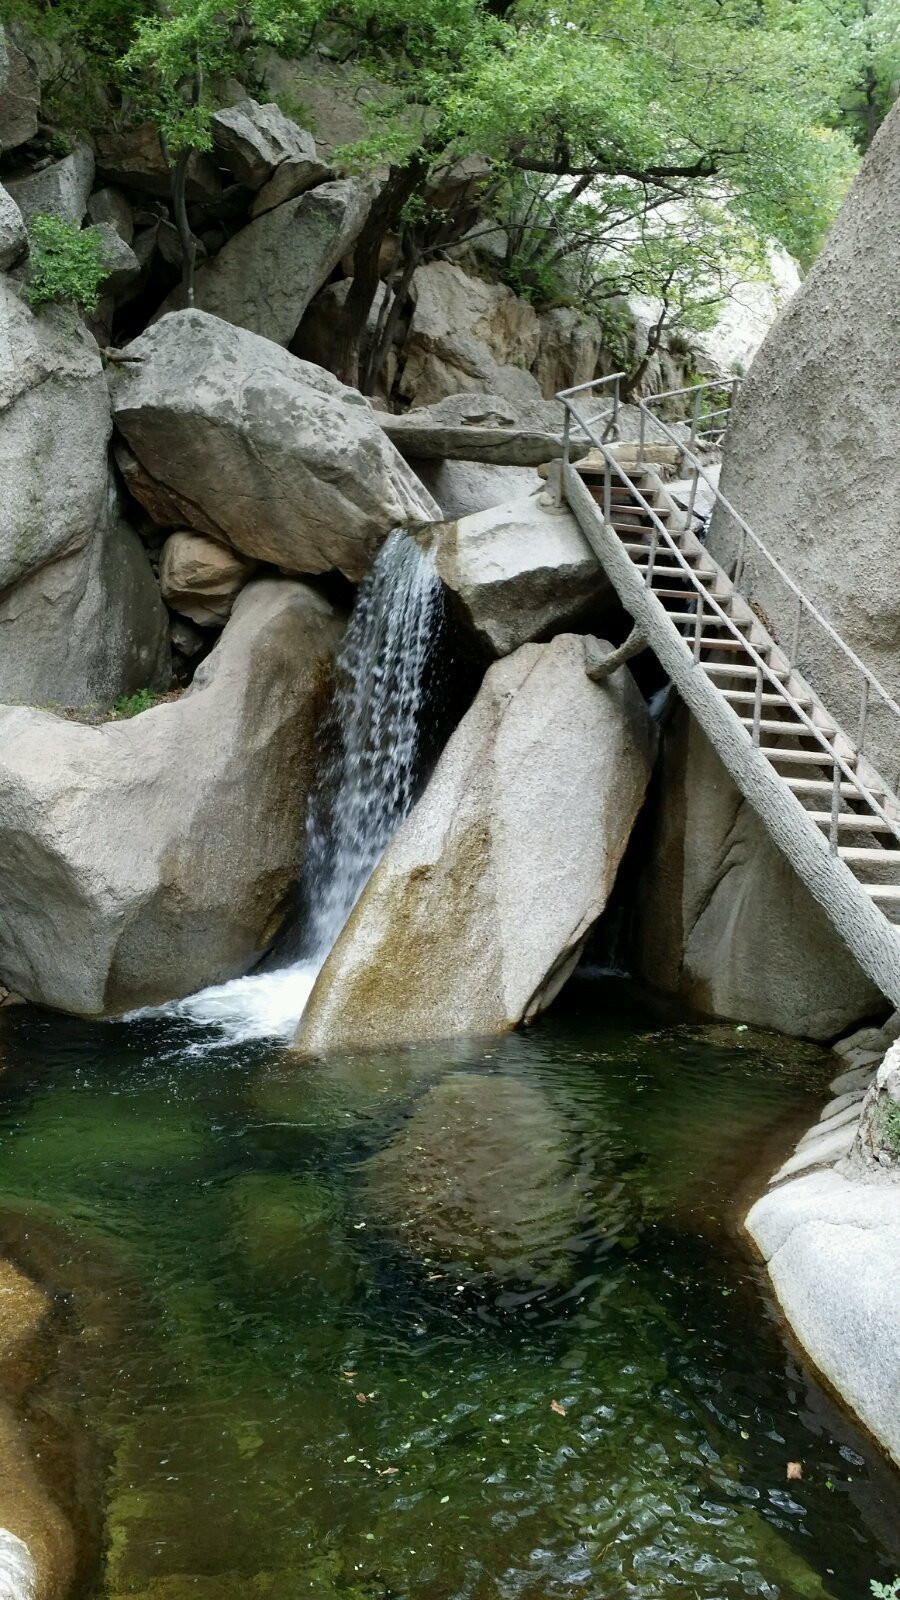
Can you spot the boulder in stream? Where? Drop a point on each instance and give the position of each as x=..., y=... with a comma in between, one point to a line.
x=481, y=905
x=144, y=859
x=239, y=440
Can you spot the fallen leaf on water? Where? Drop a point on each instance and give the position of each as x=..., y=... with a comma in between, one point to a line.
x=795, y=1469
x=386, y=1472
x=361, y=1399
x=347, y=1374
x=555, y=1406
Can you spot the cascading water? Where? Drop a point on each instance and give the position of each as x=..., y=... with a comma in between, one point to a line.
x=364, y=790
x=17, y=1571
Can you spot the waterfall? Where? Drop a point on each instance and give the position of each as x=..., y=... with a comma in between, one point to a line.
x=17, y=1571
x=363, y=791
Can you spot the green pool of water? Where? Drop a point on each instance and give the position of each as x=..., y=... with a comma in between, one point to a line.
x=471, y=1320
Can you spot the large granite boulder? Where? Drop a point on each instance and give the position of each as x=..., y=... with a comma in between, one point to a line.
x=831, y=1246
x=254, y=140
x=569, y=350
x=13, y=236
x=81, y=619
x=145, y=859
x=721, y=917
x=239, y=440
x=266, y=275
x=60, y=190
x=811, y=458
x=20, y=94
x=480, y=907
x=466, y=335
x=520, y=571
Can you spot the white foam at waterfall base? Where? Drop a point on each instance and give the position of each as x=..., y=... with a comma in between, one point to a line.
x=17, y=1572
x=362, y=794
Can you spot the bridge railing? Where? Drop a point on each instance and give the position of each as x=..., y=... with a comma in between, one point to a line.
x=868, y=689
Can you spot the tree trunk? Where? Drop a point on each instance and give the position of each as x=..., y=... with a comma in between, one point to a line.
x=185, y=232
x=384, y=216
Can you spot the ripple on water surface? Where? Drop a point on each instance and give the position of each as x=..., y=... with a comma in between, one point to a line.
x=462, y=1322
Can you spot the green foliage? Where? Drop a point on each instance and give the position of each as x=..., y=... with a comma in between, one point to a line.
x=889, y=1128
x=131, y=705
x=65, y=264
x=886, y=1591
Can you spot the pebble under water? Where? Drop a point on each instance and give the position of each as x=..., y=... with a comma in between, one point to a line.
x=468, y=1321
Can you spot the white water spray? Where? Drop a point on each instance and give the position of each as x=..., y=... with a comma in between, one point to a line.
x=17, y=1571
x=363, y=793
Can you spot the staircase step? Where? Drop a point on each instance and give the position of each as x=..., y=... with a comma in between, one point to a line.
x=882, y=891
x=748, y=697
x=727, y=644
x=792, y=730
x=826, y=786
x=860, y=852
x=801, y=758
x=863, y=821
x=728, y=669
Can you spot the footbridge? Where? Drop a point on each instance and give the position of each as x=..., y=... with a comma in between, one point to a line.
x=831, y=813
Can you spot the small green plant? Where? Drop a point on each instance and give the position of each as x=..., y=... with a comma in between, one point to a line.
x=131, y=705
x=889, y=1127
x=65, y=264
x=886, y=1591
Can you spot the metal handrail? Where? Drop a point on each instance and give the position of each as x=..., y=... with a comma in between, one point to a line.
x=763, y=669
x=805, y=607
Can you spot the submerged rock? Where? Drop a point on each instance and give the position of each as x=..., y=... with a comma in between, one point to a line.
x=81, y=619
x=719, y=911
x=520, y=571
x=480, y=1177
x=480, y=907
x=239, y=440
x=147, y=858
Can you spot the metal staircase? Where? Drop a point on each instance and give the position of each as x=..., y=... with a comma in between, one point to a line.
x=823, y=803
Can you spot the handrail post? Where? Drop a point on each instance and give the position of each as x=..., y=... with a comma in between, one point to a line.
x=835, y=809
x=607, y=491
x=694, y=486
x=614, y=420
x=567, y=426
x=739, y=564
x=757, y=706
x=695, y=415
x=863, y=714
x=642, y=432
x=795, y=641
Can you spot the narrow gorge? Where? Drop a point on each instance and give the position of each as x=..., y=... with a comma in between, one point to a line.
x=449, y=801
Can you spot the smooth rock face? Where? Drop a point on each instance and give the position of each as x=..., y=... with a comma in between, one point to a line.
x=121, y=263
x=812, y=460
x=110, y=205
x=252, y=140
x=61, y=190
x=81, y=618
x=239, y=440
x=264, y=278
x=200, y=578
x=462, y=487
x=520, y=571
x=568, y=352
x=13, y=237
x=144, y=859
x=19, y=95
x=467, y=335
x=832, y=1247
x=480, y=906
x=722, y=918
x=876, y=1146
